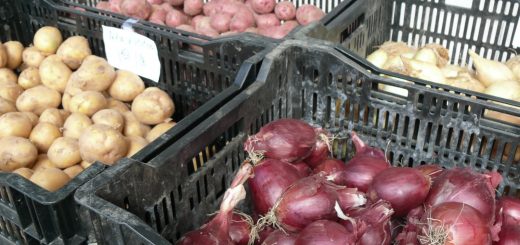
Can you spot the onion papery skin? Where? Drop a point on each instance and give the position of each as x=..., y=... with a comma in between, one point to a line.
x=508, y=209
x=325, y=232
x=279, y=237
x=509, y=235
x=320, y=152
x=334, y=169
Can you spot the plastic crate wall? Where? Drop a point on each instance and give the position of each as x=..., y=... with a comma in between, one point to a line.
x=159, y=202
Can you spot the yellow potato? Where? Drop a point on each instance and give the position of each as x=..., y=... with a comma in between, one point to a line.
x=65, y=101
x=85, y=164
x=117, y=105
x=53, y=116
x=75, y=124
x=54, y=73
x=32, y=57
x=11, y=92
x=33, y=118
x=102, y=143
x=47, y=39
x=3, y=56
x=16, y=152
x=88, y=103
x=94, y=74
x=126, y=86
x=29, y=78
x=42, y=162
x=24, y=172
x=133, y=127
x=64, y=114
x=38, y=99
x=136, y=143
x=109, y=117
x=51, y=179
x=64, y=152
x=73, y=171
x=73, y=51
x=14, y=51
x=153, y=106
x=6, y=106
x=15, y=124
x=7, y=76
x=43, y=135
x=158, y=130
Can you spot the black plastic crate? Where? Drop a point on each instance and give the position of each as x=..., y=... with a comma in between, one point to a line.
x=158, y=202
x=199, y=84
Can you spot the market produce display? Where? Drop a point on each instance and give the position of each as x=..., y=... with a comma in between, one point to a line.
x=219, y=17
x=379, y=204
x=62, y=108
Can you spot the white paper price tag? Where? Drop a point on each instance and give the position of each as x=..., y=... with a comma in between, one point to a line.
x=516, y=38
x=460, y=3
x=130, y=51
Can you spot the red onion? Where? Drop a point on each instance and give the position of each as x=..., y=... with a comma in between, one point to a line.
x=303, y=169
x=309, y=199
x=325, y=232
x=404, y=188
x=264, y=234
x=216, y=231
x=334, y=169
x=371, y=225
x=454, y=223
x=465, y=186
x=508, y=209
x=279, y=237
x=285, y=139
x=240, y=228
x=271, y=178
x=509, y=235
x=408, y=235
x=365, y=165
x=433, y=171
x=321, y=149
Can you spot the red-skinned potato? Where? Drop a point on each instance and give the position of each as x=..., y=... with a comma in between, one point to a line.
x=155, y=1
x=140, y=9
x=175, y=2
x=308, y=13
x=266, y=20
x=115, y=5
x=103, y=6
x=285, y=10
x=220, y=22
x=158, y=16
x=193, y=7
x=263, y=6
x=175, y=18
x=242, y=20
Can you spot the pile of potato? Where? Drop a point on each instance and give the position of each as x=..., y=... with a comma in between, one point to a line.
x=219, y=17
x=67, y=108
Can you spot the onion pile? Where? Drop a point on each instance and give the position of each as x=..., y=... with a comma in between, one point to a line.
x=298, y=201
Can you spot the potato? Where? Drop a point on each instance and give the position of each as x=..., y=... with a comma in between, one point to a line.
x=6, y=106
x=136, y=143
x=103, y=6
x=263, y=6
x=158, y=130
x=193, y=7
x=64, y=152
x=94, y=74
x=38, y=99
x=65, y=101
x=73, y=51
x=53, y=116
x=16, y=152
x=88, y=103
x=73, y=171
x=32, y=57
x=110, y=117
x=64, y=114
x=14, y=51
x=102, y=143
x=24, y=172
x=43, y=136
x=42, y=162
x=29, y=78
x=153, y=106
x=308, y=13
x=133, y=127
x=15, y=124
x=126, y=86
x=174, y=2
x=54, y=73
x=47, y=39
x=139, y=9
x=285, y=10
x=3, y=56
x=10, y=92
x=220, y=22
x=85, y=164
x=51, y=179
x=175, y=18
x=7, y=76
x=117, y=105
x=242, y=20
x=33, y=118
x=158, y=16
x=266, y=20
x=75, y=124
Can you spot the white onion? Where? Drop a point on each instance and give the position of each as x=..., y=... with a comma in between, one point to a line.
x=490, y=71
